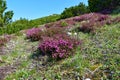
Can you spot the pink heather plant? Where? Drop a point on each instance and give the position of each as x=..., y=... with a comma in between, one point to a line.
x=34, y=34
x=91, y=21
x=58, y=48
x=62, y=23
x=91, y=16
x=4, y=40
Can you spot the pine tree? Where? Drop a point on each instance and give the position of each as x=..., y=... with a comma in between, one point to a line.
x=5, y=17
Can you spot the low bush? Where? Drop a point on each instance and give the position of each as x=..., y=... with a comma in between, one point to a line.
x=61, y=23
x=4, y=40
x=34, y=34
x=104, y=6
x=70, y=22
x=15, y=26
x=89, y=22
x=23, y=23
x=48, y=25
x=52, y=31
x=44, y=20
x=116, y=20
x=91, y=16
x=74, y=11
x=117, y=10
x=57, y=24
x=58, y=47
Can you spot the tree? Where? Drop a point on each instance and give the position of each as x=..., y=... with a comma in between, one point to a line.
x=74, y=11
x=5, y=17
x=103, y=5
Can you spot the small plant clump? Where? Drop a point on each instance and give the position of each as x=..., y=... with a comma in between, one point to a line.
x=89, y=22
x=59, y=47
x=52, y=31
x=4, y=40
x=33, y=34
x=116, y=20
x=36, y=34
x=57, y=24
x=91, y=16
x=61, y=23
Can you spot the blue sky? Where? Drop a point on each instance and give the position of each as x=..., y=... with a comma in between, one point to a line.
x=32, y=9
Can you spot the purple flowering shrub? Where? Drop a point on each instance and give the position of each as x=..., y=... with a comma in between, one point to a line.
x=58, y=47
x=4, y=40
x=91, y=16
x=61, y=23
x=52, y=31
x=34, y=34
x=48, y=25
x=89, y=22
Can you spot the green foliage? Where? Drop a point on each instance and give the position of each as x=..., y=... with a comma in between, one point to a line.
x=63, y=24
x=74, y=11
x=97, y=58
x=23, y=23
x=117, y=10
x=15, y=26
x=5, y=17
x=43, y=20
x=100, y=5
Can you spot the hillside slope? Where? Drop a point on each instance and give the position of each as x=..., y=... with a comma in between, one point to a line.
x=98, y=56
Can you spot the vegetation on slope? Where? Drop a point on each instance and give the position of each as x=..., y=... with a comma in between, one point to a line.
x=77, y=48
x=75, y=11
x=23, y=23
x=107, y=6
x=96, y=58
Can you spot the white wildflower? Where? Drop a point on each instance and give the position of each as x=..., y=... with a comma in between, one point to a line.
x=69, y=33
x=42, y=29
x=75, y=33
x=87, y=79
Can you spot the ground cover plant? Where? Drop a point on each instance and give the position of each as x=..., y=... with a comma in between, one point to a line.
x=34, y=34
x=85, y=47
x=54, y=41
x=75, y=54
x=62, y=23
x=89, y=22
x=105, y=7
x=3, y=40
x=58, y=47
x=23, y=23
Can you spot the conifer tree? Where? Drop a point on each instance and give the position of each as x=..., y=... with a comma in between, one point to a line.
x=5, y=16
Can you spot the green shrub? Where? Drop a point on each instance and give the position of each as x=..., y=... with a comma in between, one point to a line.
x=117, y=10
x=103, y=5
x=23, y=23
x=74, y=11
x=43, y=20
x=63, y=24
